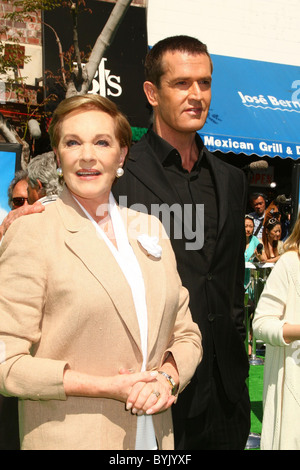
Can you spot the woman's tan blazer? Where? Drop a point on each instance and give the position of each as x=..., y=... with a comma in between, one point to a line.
x=64, y=300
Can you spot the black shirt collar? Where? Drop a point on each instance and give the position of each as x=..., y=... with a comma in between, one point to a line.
x=166, y=153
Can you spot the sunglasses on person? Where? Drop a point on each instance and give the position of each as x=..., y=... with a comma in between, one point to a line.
x=247, y=216
x=19, y=201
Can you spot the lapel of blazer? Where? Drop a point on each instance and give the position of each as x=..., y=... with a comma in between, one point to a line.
x=153, y=273
x=221, y=180
x=85, y=243
x=151, y=173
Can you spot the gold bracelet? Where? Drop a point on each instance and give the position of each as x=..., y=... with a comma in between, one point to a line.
x=170, y=380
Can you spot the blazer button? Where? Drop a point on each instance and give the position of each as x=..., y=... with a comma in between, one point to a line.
x=209, y=276
x=211, y=317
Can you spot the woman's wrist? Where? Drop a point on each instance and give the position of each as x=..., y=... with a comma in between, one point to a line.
x=172, y=384
x=169, y=372
x=291, y=332
x=84, y=385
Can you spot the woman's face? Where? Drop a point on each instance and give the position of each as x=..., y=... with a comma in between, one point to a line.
x=89, y=154
x=249, y=227
x=275, y=233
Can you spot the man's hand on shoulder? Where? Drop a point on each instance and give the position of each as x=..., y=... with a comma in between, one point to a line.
x=16, y=213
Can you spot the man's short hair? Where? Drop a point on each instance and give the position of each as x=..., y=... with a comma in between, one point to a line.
x=257, y=195
x=153, y=62
x=19, y=176
x=43, y=168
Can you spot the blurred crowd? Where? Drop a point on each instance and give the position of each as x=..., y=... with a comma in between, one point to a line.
x=266, y=228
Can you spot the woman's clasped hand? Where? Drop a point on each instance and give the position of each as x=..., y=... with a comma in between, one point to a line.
x=150, y=397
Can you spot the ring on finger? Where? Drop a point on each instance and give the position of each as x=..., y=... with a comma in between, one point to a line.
x=156, y=393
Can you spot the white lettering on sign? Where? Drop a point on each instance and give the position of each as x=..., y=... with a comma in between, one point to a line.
x=296, y=94
x=106, y=84
x=272, y=102
x=227, y=143
x=253, y=99
x=272, y=148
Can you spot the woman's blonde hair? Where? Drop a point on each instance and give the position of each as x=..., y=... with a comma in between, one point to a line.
x=89, y=101
x=293, y=241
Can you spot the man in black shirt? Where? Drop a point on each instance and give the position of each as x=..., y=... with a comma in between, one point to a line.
x=171, y=168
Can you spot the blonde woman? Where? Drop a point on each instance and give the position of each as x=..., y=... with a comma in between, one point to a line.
x=277, y=323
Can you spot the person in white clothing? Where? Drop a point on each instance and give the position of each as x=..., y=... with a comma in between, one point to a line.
x=277, y=323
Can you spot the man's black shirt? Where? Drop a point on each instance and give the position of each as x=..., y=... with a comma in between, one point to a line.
x=193, y=188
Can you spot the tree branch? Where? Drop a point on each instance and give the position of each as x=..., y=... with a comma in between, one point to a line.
x=78, y=75
x=11, y=136
x=60, y=53
x=102, y=43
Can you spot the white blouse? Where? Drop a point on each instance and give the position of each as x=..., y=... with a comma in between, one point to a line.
x=125, y=257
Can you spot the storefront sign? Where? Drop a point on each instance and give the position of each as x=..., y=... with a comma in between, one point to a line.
x=273, y=102
x=255, y=108
x=120, y=74
x=250, y=146
x=262, y=178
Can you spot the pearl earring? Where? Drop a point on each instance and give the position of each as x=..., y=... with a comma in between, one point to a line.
x=119, y=172
x=59, y=172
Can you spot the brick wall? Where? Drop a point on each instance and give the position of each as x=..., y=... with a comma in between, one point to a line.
x=136, y=3
x=28, y=32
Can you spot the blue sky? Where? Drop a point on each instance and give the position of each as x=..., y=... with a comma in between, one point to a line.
x=7, y=171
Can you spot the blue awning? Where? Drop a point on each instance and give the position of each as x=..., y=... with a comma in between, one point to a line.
x=255, y=108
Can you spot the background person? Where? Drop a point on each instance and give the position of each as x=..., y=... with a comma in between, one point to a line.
x=17, y=190
x=277, y=323
x=40, y=185
x=251, y=240
x=251, y=244
x=258, y=202
x=272, y=212
x=271, y=239
x=43, y=180
x=17, y=200
x=90, y=300
x=170, y=167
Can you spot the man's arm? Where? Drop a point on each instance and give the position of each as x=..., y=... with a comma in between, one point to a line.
x=16, y=213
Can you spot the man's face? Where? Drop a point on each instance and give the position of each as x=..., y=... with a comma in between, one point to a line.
x=34, y=193
x=181, y=103
x=259, y=205
x=19, y=194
